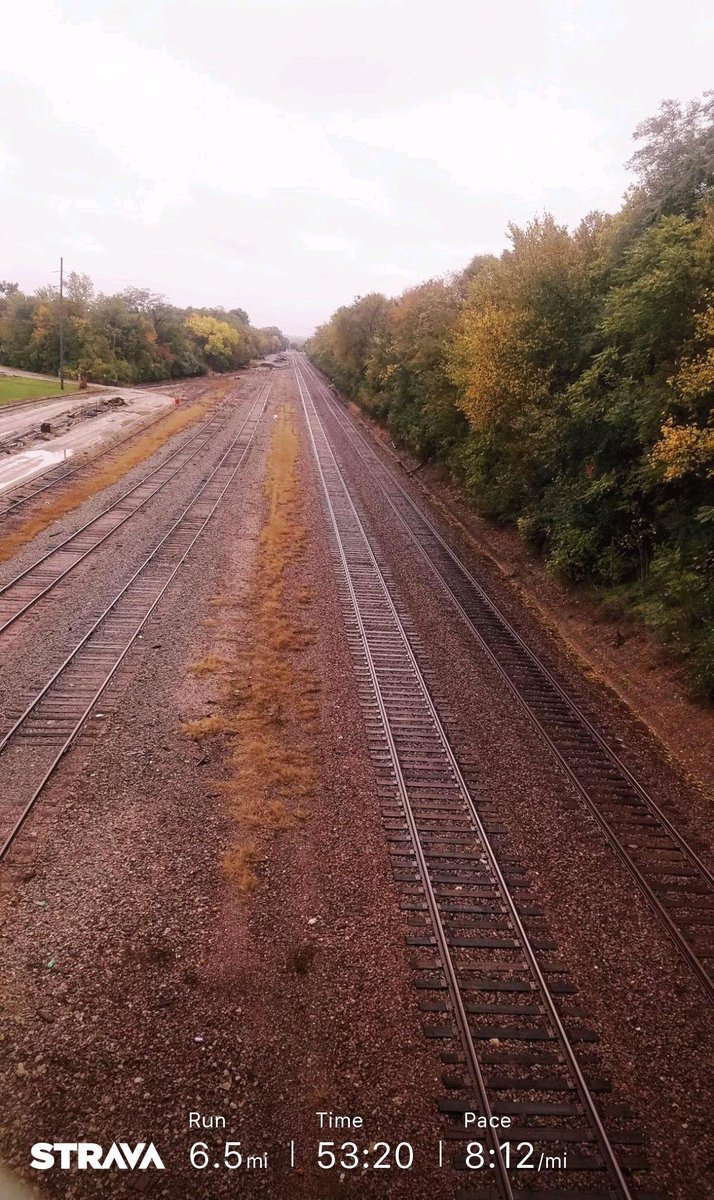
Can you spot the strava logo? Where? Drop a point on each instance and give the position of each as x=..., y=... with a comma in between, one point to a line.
x=82, y=1155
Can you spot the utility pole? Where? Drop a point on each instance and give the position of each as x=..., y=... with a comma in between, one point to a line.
x=61, y=325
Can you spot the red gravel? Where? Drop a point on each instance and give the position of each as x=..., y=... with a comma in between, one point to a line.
x=140, y=984
x=170, y=991
x=651, y=1015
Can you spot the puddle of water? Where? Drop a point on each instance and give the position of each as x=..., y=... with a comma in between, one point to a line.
x=19, y=467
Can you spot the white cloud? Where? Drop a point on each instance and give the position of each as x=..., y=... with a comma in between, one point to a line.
x=328, y=243
x=528, y=143
x=286, y=155
x=171, y=126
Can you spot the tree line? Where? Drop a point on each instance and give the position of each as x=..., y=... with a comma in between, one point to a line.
x=134, y=336
x=568, y=384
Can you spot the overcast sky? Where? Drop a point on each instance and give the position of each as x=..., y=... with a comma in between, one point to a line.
x=288, y=155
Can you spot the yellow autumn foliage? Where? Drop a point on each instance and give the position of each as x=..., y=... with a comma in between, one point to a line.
x=695, y=377
x=685, y=449
x=491, y=365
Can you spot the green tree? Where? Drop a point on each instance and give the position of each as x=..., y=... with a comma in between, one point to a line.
x=568, y=384
x=675, y=161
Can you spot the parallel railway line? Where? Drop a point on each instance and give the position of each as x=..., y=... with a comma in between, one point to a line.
x=494, y=990
x=22, y=592
x=674, y=879
x=41, y=735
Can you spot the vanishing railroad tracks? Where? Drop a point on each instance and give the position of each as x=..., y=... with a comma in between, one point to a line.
x=42, y=734
x=672, y=876
x=30, y=585
x=494, y=990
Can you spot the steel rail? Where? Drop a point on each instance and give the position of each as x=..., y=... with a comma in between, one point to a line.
x=253, y=416
x=609, y=1156
x=202, y=436
x=687, y=952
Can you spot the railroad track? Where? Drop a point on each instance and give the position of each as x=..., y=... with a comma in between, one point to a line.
x=493, y=989
x=41, y=735
x=21, y=594
x=674, y=879
x=43, y=481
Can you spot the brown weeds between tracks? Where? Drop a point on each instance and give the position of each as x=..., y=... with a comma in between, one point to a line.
x=268, y=704
x=145, y=445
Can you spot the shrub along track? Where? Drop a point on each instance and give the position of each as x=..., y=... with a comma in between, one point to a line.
x=43, y=732
x=672, y=876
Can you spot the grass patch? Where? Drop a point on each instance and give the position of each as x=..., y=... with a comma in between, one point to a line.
x=212, y=664
x=75, y=494
x=16, y=387
x=207, y=726
x=268, y=704
x=239, y=863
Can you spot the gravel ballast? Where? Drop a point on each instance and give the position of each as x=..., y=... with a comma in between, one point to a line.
x=140, y=985
x=650, y=1013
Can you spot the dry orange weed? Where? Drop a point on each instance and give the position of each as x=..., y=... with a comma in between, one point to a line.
x=210, y=665
x=268, y=705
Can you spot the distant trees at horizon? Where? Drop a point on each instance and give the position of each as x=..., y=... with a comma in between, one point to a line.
x=133, y=336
